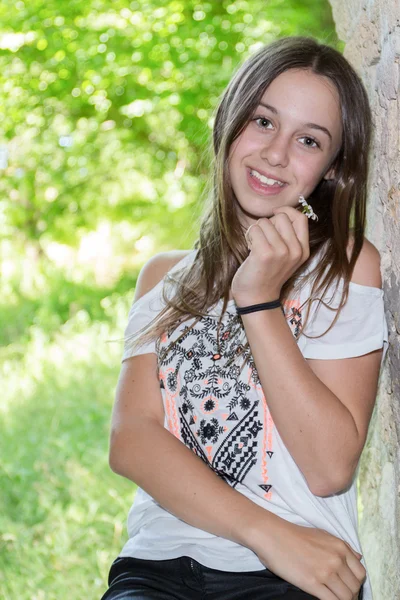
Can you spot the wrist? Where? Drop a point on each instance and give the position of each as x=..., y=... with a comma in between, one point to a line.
x=250, y=300
x=253, y=529
x=246, y=310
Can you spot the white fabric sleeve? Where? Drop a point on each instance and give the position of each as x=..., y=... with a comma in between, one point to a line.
x=141, y=313
x=145, y=310
x=361, y=326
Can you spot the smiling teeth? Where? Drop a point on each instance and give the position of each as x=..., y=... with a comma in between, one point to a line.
x=265, y=179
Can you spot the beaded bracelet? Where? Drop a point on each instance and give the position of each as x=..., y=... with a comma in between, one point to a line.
x=244, y=310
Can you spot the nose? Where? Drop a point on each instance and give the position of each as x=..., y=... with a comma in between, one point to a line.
x=275, y=150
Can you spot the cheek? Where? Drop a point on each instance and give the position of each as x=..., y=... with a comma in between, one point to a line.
x=311, y=177
x=242, y=147
x=311, y=170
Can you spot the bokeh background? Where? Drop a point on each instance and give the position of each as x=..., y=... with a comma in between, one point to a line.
x=106, y=110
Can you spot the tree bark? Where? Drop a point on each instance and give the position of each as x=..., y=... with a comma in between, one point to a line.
x=370, y=30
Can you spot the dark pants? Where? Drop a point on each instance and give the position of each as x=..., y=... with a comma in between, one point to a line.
x=185, y=579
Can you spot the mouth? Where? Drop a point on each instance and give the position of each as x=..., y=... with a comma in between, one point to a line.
x=263, y=185
x=265, y=179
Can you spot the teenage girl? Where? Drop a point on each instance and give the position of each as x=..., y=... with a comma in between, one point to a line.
x=251, y=362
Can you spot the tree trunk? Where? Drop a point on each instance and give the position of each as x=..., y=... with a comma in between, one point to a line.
x=371, y=32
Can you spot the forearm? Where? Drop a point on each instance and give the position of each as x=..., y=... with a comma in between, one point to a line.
x=316, y=427
x=182, y=483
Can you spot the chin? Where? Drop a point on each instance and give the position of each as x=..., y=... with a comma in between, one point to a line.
x=253, y=215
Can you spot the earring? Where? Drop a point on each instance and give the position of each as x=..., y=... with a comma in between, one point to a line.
x=307, y=209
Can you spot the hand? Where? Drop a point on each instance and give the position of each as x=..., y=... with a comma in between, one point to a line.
x=278, y=246
x=313, y=560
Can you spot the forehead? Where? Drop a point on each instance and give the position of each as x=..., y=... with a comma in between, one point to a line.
x=303, y=96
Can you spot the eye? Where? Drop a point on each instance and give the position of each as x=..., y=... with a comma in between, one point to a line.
x=261, y=122
x=310, y=139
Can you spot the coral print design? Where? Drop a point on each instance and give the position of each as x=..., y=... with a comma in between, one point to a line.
x=213, y=405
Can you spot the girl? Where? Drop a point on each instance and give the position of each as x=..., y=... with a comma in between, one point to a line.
x=251, y=362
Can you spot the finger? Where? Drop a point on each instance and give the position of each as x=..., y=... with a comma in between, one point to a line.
x=247, y=235
x=256, y=238
x=285, y=227
x=324, y=593
x=298, y=219
x=349, y=579
x=357, y=554
x=356, y=567
x=272, y=235
x=337, y=586
x=293, y=213
x=300, y=225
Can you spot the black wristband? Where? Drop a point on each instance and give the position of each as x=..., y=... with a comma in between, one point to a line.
x=244, y=310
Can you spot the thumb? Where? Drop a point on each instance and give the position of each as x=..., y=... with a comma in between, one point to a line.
x=354, y=551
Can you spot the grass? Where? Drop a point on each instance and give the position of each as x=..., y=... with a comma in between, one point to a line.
x=62, y=511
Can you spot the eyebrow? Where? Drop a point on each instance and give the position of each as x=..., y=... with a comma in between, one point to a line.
x=311, y=125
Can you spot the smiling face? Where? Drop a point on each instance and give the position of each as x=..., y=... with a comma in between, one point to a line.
x=292, y=138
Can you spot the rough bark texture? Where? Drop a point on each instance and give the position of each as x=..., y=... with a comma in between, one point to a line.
x=371, y=31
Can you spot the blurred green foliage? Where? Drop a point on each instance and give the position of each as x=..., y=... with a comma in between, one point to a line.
x=105, y=112
x=105, y=106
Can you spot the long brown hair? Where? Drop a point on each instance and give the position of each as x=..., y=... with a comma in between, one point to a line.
x=340, y=202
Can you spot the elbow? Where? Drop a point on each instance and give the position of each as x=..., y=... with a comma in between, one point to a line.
x=114, y=462
x=131, y=446
x=335, y=485
x=117, y=455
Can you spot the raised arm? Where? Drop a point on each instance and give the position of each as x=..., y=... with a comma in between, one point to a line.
x=320, y=407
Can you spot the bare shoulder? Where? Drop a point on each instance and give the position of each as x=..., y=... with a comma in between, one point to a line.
x=155, y=268
x=367, y=270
